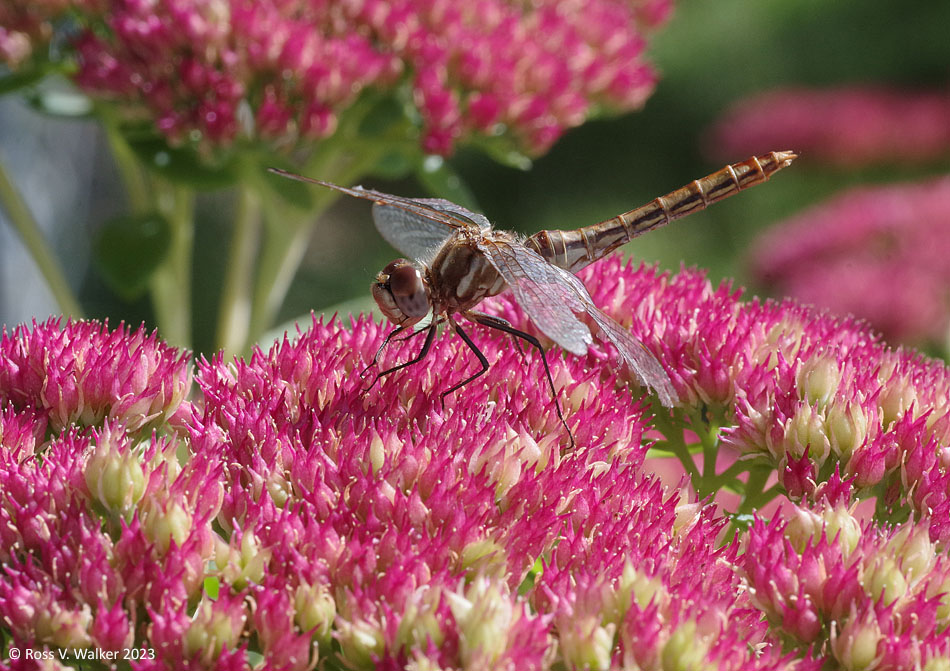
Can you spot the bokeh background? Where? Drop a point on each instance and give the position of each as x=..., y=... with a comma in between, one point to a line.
x=710, y=56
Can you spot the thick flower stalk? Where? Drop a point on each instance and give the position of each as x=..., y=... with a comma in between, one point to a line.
x=291, y=513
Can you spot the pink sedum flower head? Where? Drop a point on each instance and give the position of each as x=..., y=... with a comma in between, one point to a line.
x=895, y=239
x=849, y=126
x=284, y=72
x=80, y=373
x=869, y=604
x=284, y=513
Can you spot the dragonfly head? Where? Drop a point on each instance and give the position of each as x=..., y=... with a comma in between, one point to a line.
x=401, y=293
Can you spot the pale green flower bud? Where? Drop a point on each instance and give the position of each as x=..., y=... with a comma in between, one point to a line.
x=884, y=578
x=586, y=644
x=855, y=647
x=116, y=478
x=818, y=380
x=359, y=642
x=913, y=550
x=164, y=522
x=315, y=609
x=684, y=651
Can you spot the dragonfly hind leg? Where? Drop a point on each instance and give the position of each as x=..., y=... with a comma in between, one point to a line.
x=504, y=325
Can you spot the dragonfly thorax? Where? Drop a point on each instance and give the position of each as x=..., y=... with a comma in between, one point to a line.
x=401, y=293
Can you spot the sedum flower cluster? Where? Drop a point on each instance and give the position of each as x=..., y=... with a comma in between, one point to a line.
x=275, y=513
x=847, y=126
x=894, y=238
x=218, y=71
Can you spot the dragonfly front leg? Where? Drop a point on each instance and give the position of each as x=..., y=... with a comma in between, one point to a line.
x=389, y=337
x=426, y=346
x=504, y=325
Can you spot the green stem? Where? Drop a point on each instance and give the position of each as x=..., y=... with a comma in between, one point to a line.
x=130, y=171
x=35, y=243
x=674, y=443
x=171, y=283
x=708, y=434
x=754, y=490
x=287, y=237
x=234, y=315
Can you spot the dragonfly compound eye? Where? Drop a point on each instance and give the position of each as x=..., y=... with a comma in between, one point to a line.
x=401, y=292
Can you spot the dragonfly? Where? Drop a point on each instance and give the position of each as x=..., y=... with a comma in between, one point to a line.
x=456, y=259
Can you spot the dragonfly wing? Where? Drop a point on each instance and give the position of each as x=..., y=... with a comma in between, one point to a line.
x=419, y=232
x=414, y=226
x=414, y=235
x=638, y=357
x=548, y=301
x=456, y=210
x=633, y=352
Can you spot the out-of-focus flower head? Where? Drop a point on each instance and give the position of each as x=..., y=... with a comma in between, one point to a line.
x=879, y=253
x=219, y=71
x=849, y=126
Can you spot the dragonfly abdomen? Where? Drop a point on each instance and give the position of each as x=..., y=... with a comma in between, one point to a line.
x=573, y=250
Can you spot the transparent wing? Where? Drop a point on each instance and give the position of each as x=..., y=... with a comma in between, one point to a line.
x=637, y=356
x=633, y=352
x=414, y=235
x=414, y=226
x=549, y=302
x=417, y=235
x=455, y=210
x=551, y=295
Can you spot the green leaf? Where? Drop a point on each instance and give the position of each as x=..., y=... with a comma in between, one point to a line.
x=383, y=115
x=60, y=102
x=439, y=178
x=183, y=165
x=13, y=81
x=503, y=150
x=129, y=248
x=395, y=165
x=212, y=587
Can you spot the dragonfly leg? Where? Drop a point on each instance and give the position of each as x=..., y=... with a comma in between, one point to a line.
x=415, y=333
x=503, y=325
x=493, y=321
x=481, y=359
x=426, y=346
x=389, y=337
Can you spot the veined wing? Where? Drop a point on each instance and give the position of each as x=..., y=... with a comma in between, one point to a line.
x=632, y=351
x=419, y=235
x=549, y=302
x=550, y=296
x=413, y=226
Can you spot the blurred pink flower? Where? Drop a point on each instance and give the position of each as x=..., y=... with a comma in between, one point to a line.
x=221, y=70
x=291, y=513
x=846, y=126
x=879, y=253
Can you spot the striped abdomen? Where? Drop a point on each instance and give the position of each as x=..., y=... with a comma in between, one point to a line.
x=575, y=249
